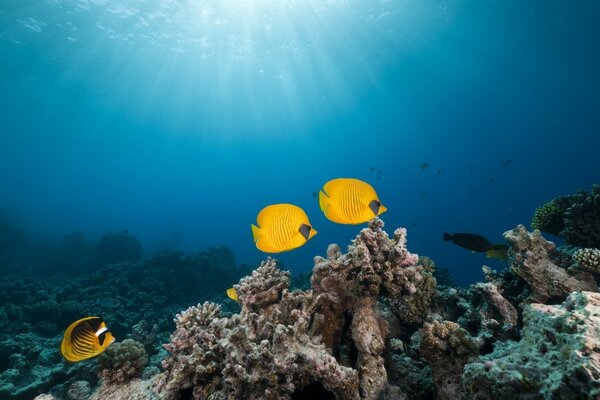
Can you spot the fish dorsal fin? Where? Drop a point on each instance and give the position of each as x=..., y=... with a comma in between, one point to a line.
x=334, y=187
x=324, y=201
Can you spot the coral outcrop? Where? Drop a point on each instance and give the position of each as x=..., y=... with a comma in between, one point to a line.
x=284, y=344
x=348, y=287
x=533, y=259
x=252, y=355
x=447, y=348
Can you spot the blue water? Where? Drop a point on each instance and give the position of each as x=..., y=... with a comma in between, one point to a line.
x=180, y=120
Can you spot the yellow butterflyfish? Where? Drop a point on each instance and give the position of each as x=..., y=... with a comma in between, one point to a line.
x=85, y=338
x=349, y=201
x=281, y=227
x=232, y=294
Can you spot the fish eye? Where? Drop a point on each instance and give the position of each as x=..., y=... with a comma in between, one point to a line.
x=375, y=205
x=305, y=230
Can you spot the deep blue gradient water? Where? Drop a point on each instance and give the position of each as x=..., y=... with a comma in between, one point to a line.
x=179, y=120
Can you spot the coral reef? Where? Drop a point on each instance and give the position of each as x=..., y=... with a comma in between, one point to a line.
x=284, y=344
x=373, y=324
x=122, y=361
x=532, y=258
x=136, y=300
x=558, y=356
x=575, y=218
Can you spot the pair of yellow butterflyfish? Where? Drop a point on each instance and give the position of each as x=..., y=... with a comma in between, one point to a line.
x=284, y=227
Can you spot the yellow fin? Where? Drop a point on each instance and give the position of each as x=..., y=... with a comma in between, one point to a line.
x=323, y=201
x=255, y=232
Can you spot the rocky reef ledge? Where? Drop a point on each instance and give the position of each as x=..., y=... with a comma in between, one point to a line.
x=375, y=325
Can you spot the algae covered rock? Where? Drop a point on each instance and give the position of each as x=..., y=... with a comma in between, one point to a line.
x=558, y=356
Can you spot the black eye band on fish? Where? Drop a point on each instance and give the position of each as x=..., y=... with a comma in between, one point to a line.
x=305, y=231
x=374, y=205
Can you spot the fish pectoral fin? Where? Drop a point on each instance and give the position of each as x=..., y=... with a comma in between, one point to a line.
x=256, y=232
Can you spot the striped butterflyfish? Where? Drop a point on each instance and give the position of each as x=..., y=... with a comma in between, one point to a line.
x=349, y=201
x=281, y=227
x=85, y=338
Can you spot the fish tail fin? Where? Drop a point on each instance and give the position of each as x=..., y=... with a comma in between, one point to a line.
x=255, y=232
x=489, y=254
x=447, y=237
x=323, y=201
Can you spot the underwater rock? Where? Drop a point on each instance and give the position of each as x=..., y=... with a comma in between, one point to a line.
x=531, y=257
x=487, y=314
x=32, y=365
x=558, y=356
x=122, y=361
x=79, y=390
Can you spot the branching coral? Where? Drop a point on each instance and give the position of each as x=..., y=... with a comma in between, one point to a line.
x=549, y=218
x=588, y=259
x=122, y=361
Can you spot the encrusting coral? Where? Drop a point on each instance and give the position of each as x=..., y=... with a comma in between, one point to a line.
x=558, y=356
